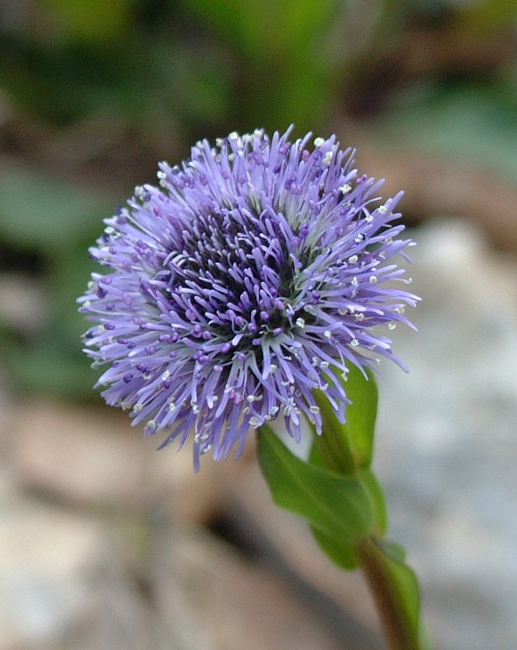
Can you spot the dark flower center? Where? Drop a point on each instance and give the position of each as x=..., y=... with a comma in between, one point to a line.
x=233, y=273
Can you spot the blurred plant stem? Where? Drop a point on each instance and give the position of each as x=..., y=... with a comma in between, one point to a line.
x=391, y=609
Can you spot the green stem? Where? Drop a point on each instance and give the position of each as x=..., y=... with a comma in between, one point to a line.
x=398, y=630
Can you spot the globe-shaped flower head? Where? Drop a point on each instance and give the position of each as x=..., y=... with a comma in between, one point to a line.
x=255, y=274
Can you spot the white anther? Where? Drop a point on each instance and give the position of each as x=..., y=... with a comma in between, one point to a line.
x=327, y=158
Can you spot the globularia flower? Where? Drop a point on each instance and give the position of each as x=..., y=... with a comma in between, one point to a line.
x=254, y=274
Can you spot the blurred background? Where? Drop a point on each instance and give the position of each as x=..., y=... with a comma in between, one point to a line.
x=105, y=543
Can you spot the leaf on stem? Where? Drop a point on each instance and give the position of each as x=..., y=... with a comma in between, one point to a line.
x=337, y=506
x=357, y=434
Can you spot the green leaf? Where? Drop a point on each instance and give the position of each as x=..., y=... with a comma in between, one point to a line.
x=361, y=414
x=338, y=506
x=353, y=441
x=396, y=590
x=343, y=555
x=406, y=585
x=395, y=551
x=380, y=510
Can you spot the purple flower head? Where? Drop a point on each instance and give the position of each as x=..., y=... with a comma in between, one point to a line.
x=253, y=275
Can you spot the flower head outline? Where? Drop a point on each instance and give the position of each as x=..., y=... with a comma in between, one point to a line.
x=248, y=278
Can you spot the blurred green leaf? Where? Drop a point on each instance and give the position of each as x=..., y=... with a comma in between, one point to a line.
x=285, y=66
x=486, y=15
x=65, y=83
x=192, y=82
x=50, y=360
x=474, y=122
x=45, y=368
x=89, y=19
x=60, y=222
x=270, y=30
x=46, y=214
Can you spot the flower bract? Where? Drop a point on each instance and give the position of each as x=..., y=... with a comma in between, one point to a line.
x=251, y=275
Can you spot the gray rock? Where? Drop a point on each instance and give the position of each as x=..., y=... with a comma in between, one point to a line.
x=447, y=444
x=62, y=584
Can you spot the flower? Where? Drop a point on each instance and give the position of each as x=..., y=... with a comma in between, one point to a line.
x=251, y=276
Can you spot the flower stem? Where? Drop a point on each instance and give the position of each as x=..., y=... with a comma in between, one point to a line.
x=395, y=619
